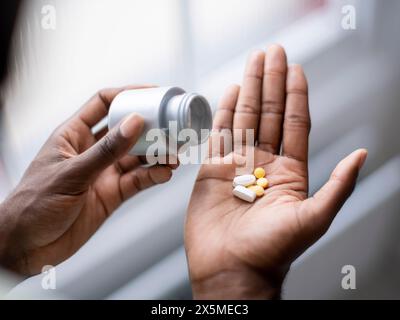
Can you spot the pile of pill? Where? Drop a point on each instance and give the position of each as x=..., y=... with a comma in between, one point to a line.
x=249, y=186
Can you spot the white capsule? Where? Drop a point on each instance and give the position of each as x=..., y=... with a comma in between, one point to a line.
x=244, y=193
x=244, y=180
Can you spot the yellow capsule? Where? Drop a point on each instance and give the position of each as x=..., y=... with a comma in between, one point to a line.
x=259, y=173
x=258, y=190
x=262, y=182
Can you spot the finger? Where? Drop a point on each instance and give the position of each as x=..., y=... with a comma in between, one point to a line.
x=247, y=111
x=326, y=203
x=224, y=116
x=142, y=178
x=100, y=134
x=296, y=123
x=128, y=162
x=223, y=122
x=273, y=100
x=97, y=107
x=111, y=147
x=172, y=162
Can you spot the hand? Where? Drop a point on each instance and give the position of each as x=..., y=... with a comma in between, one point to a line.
x=75, y=182
x=237, y=249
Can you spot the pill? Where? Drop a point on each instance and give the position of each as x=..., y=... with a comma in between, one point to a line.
x=244, y=193
x=258, y=190
x=259, y=173
x=262, y=182
x=244, y=180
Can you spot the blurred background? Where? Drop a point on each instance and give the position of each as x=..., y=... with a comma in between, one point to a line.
x=201, y=45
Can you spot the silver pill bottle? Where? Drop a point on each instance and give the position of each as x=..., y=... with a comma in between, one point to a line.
x=159, y=107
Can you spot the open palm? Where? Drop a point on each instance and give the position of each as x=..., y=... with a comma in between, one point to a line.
x=245, y=249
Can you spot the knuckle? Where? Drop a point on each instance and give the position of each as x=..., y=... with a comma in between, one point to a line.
x=268, y=145
x=137, y=184
x=256, y=77
x=102, y=96
x=298, y=121
x=248, y=104
x=300, y=90
x=106, y=147
x=275, y=72
x=273, y=107
x=60, y=130
x=101, y=92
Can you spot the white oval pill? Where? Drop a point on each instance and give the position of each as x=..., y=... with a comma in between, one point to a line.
x=245, y=194
x=244, y=180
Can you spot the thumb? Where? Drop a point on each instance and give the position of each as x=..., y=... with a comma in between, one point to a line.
x=116, y=143
x=326, y=203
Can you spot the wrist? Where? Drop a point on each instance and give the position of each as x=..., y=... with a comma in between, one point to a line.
x=237, y=285
x=11, y=253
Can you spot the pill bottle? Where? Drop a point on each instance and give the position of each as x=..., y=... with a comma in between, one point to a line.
x=160, y=107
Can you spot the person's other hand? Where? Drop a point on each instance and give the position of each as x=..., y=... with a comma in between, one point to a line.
x=75, y=182
x=237, y=249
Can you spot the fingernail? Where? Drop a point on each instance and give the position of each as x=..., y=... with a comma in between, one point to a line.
x=160, y=174
x=131, y=125
x=364, y=154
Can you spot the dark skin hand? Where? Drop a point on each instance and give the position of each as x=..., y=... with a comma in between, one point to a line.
x=75, y=182
x=239, y=250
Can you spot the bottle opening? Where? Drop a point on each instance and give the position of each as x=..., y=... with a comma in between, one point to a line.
x=199, y=116
x=190, y=111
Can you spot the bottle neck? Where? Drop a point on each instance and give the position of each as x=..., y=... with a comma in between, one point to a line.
x=189, y=111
